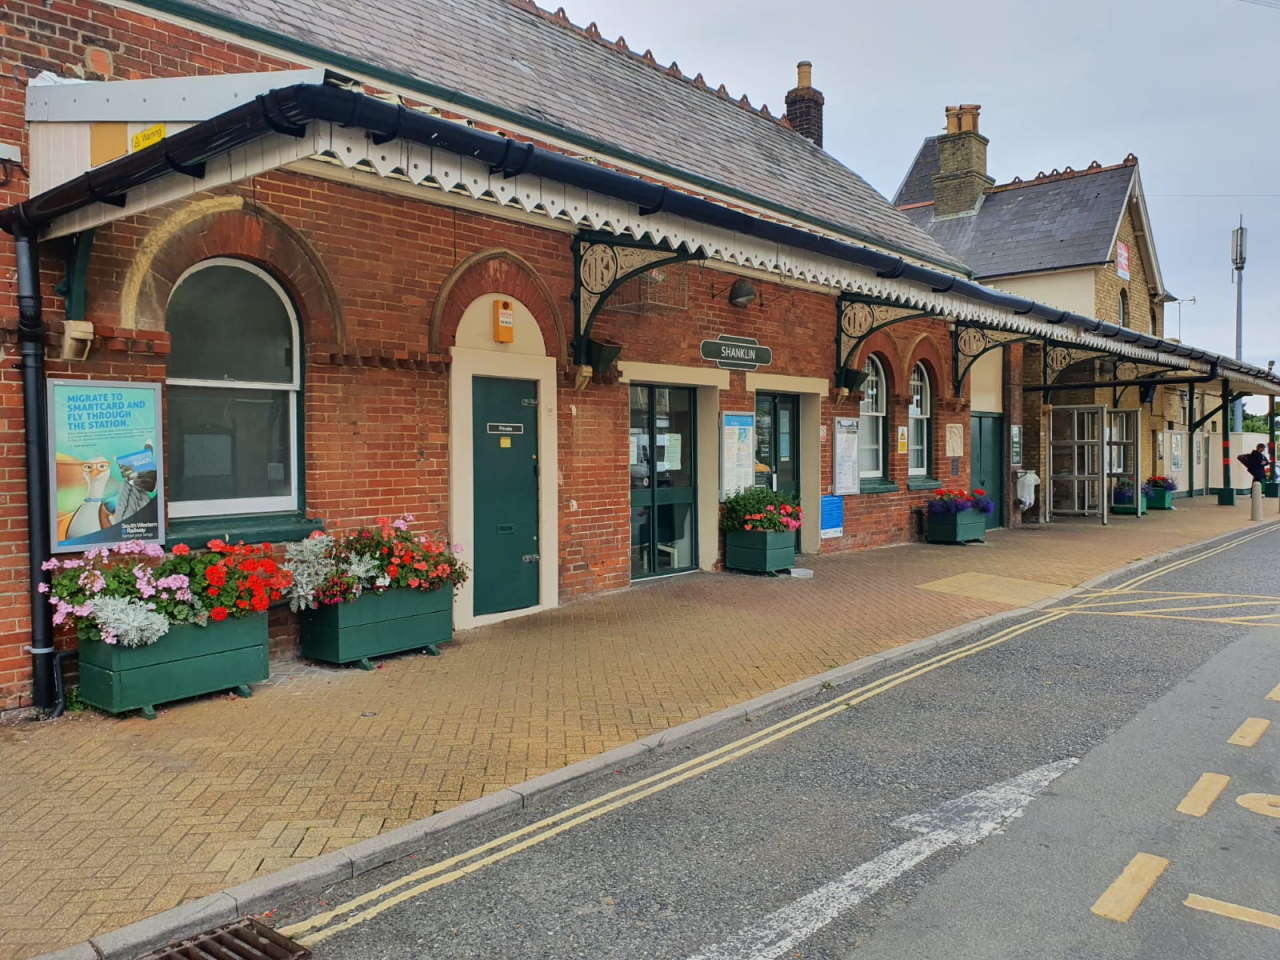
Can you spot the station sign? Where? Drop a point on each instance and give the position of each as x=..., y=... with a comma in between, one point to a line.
x=736, y=353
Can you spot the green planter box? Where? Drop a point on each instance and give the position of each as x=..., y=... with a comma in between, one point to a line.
x=1131, y=508
x=186, y=662
x=959, y=527
x=1160, y=500
x=378, y=624
x=759, y=551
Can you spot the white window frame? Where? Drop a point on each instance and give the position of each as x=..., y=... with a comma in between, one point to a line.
x=872, y=416
x=244, y=505
x=916, y=413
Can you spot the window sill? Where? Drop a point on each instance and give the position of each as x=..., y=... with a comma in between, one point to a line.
x=251, y=528
x=877, y=485
x=923, y=483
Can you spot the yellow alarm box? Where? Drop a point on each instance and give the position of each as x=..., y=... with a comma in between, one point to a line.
x=504, y=322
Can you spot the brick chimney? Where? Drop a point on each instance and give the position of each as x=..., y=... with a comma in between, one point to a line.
x=962, y=178
x=804, y=104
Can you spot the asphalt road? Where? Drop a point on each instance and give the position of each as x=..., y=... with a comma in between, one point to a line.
x=974, y=804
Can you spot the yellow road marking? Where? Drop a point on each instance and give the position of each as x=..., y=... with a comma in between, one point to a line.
x=1274, y=694
x=453, y=868
x=1232, y=910
x=549, y=827
x=1266, y=804
x=1249, y=732
x=1127, y=891
x=1236, y=621
x=1178, y=594
x=1206, y=606
x=1201, y=796
x=1196, y=558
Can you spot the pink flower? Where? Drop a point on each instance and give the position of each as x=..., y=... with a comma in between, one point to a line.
x=42, y=588
x=746, y=526
x=769, y=508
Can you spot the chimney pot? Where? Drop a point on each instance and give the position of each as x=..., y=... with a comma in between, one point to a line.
x=962, y=178
x=804, y=104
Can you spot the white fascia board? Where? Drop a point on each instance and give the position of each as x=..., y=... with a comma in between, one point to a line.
x=165, y=99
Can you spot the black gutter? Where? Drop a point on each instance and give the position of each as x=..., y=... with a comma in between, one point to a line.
x=289, y=109
x=35, y=423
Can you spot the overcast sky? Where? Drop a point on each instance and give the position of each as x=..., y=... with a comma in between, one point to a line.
x=1190, y=86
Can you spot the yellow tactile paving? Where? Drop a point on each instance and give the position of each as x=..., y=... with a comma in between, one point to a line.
x=103, y=822
x=988, y=586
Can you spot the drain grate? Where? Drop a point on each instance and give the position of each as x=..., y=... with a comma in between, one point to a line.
x=243, y=940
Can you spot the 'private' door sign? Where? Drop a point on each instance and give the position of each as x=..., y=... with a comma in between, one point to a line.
x=736, y=353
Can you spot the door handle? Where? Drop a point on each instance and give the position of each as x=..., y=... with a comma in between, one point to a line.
x=531, y=558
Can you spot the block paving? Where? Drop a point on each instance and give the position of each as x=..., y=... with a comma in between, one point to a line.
x=104, y=821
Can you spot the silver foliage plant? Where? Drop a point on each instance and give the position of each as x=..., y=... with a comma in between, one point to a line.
x=314, y=562
x=130, y=623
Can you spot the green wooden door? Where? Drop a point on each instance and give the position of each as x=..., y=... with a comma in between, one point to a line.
x=505, y=470
x=986, y=465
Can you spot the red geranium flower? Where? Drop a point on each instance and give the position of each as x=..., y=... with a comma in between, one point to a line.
x=218, y=613
x=181, y=550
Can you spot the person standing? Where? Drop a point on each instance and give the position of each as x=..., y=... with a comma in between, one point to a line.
x=1256, y=462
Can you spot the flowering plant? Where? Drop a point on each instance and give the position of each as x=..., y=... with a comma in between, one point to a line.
x=759, y=508
x=132, y=593
x=955, y=501
x=1160, y=483
x=331, y=570
x=1122, y=493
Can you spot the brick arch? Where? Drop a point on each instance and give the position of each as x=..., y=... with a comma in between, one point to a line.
x=496, y=271
x=888, y=352
x=230, y=226
x=924, y=349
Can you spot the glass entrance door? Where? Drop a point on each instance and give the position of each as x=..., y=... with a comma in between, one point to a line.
x=1124, y=458
x=777, y=437
x=1077, y=455
x=663, y=484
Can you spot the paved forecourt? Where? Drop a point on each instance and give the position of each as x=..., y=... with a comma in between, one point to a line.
x=867, y=821
x=103, y=822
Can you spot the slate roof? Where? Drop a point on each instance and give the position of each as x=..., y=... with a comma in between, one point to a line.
x=512, y=55
x=918, y=185
x=1061, y=222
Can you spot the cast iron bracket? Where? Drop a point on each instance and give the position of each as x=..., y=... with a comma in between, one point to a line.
x=601, y=264
x=858, y=317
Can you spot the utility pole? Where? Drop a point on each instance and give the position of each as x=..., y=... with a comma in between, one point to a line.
x=1238, y=238
x=1180, y=302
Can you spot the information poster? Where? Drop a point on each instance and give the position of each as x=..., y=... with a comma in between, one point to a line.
x=832, y=517
x=845, y=456
x=1015, y=445
x=105, y=469
x=902, y=439
x=955, y=440
x=737, y=452
x=1175, y=451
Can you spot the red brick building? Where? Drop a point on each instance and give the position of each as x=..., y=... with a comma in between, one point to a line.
x=489, y=276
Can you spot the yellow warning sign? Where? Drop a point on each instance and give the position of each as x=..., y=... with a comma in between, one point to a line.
x=145, y=138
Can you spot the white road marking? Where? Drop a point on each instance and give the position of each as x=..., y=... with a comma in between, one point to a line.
x=965, y=820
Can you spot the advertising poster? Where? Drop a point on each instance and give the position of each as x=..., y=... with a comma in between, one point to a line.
x=105, y=470
x=737, y=452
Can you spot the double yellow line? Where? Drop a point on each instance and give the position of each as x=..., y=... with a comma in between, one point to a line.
x=368, y=905
x=1187, y=561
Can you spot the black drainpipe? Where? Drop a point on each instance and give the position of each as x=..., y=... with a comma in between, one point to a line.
x=35, y=423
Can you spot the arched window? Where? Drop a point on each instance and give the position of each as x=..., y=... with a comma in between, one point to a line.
x=871, y=430
x=919, y=414
x=1124, y=308
x=232, y=397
